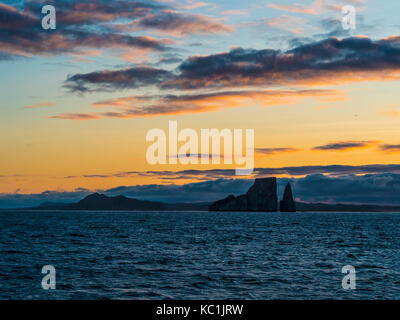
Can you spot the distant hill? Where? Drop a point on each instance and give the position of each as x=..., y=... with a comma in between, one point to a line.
x=98, y=201
x=101, y=202
x=340, y=207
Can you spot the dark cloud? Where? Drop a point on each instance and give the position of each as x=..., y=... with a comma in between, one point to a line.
x=390, y=147
x=380, y=189
x=21, y=34
x=344, y=145
x=328, y=61
x=372, y=189
x=274, y=150
x=330, y=170
x=90, y=12
x=191, y=192
x=170, y=59
x=87, y=24
x=108, y=79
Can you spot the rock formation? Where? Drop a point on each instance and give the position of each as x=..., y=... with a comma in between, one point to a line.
x=287, y=203
x=230, y=203
x=102, y=202
x=260, y=197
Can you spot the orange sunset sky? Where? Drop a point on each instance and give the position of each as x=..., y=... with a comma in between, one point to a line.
x=77, y=102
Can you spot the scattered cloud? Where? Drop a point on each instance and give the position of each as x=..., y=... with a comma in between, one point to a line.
x=288, y=23
x=325, y=62
x=75, y=116
x=390, y=147
x=107, y=80
x=210, y=174
x=177, y=24
x=86, y=25
x=150, y=106
x=41, y=105
x=234, y=12
x=345, y=145
x=315, y=8
x=192, y=4
x=271, y=151
x=379, y=188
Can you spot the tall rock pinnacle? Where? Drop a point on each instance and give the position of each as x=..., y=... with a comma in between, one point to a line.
x=287, y=203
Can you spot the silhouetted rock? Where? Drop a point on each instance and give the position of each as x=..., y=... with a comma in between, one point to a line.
x=287, y=203
x=98, y=201
x=230, y=203
x=260, y=197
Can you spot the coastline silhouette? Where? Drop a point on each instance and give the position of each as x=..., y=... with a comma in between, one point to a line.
x=261, y=197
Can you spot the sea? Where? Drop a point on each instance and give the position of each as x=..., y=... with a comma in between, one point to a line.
x=200, y=255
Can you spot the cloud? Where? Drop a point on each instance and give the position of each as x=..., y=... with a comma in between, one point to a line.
x=89, y=12
x=295, y=8
x=345, y=145
x=21, y=34
x=315, y=8
x=86, y=25
x=269, y=151
x=288, y=23
x=132, y=16
x=371, y=188
x=390, y=147
x=382, y=188
x=107, y=80
x=326, y=62
x=209, y=174
x=234, y=12
x=191, y=4
x=330, y=61
x=75, y=116
x=169, y=58
x=41, y=105
x=150, y=106
x=21, y=200
x=177, y=24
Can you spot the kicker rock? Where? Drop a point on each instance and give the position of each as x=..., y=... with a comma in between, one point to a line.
x=262, y=195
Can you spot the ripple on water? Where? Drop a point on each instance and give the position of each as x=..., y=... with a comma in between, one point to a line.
x=199, y=255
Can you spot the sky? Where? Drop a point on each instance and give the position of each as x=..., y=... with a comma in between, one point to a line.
x=76, y=102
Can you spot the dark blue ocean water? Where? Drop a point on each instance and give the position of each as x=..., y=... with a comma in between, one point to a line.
x=199, y=255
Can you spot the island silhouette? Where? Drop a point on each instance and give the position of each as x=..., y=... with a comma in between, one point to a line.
x=261, y=197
